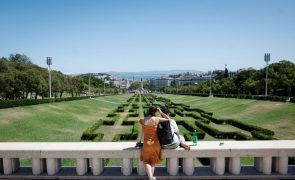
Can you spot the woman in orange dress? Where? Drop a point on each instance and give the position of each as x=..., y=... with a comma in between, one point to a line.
x=151, y=151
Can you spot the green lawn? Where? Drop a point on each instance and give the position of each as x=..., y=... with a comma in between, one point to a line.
x=64, y=121
x=276, y=116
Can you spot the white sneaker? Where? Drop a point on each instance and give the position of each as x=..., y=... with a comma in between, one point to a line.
x=152, y=178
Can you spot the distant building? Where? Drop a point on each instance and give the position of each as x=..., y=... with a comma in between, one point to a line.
x=126, y=83
x=157, y=83
x=189, y=80
x=121, y=83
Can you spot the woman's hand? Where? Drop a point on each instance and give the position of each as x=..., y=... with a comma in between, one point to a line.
x=159, y=109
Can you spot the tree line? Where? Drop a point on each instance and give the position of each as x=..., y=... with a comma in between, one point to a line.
x=21, y=79
x=281, y=82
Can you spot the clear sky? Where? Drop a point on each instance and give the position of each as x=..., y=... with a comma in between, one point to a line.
x=135, y=35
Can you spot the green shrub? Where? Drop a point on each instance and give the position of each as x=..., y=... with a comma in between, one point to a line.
x=135, y=106
x=98, y=137
x=127, y=123
x=249, y=127
x=89, y=133
x=292, y=100
x=239, y=124
x=197, y=117
x=222, y=135
x=109, y=122
x=133, y=114
x=190, y=126
x=132, y=110
x=130, y=135
x=179, y=112
x=28, y=102
x=243, y=96
x=22, y=102
x=112, y=114
x=197, y=110
x=116, y=138
x=260, y=136
x=120, y=108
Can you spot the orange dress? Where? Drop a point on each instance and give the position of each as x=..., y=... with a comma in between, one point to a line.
x=151, y=150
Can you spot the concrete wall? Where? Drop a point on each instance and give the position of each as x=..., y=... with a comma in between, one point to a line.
x=271, y=157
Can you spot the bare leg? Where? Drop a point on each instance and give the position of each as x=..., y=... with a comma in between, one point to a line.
x=153, y=170
x=149, y=170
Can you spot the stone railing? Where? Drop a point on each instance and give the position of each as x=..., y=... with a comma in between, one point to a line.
x=270, y=158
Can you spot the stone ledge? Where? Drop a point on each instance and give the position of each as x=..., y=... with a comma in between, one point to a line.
x=247, y=172
x=126, y=149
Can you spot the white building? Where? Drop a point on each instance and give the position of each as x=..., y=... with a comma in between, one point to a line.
x=189, y=80
x=157, y=83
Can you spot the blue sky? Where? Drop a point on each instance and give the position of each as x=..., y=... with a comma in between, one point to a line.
x=113, y=35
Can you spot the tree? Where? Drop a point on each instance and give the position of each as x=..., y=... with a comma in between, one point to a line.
x=228, y=86
x=225, y=73
x=4, y=65
x=218, y=74
x=19, y=58
x=137, y=84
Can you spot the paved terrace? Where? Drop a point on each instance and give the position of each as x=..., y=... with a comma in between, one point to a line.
x=271, y=160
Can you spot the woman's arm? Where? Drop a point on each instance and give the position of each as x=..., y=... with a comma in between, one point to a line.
x=166, y=117
x=141, y=133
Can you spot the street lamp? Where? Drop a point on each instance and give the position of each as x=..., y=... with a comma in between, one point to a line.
x=210, y=84
x=49, y=62
x=104, y=87
x=266, y=59
x=89, y=86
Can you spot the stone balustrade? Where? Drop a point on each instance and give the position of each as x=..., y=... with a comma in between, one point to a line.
x=270, y=157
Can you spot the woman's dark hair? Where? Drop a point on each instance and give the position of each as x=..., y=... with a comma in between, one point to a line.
x=152, y=111
x=165, y=110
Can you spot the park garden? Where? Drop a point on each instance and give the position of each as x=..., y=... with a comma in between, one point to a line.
x=115, y=118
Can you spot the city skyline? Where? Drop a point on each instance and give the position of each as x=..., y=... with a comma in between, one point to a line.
x=136, y=36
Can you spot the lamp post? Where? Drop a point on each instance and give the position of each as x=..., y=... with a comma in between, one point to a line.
x=266, y=59
x=89, y=86
x=176, y=86
x=210, y=84
x=104, y=87
x=49, y=62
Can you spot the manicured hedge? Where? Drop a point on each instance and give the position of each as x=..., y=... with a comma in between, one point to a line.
x=133, y=114
x=28, y=102
x=131, y=135
x=127, y=123
x=240, y=96
x=89, y=133
x=112, y=114
x=145, y=99
x=22, y=102
x=120, y=108
x=190, y=126
x=131, y=110
x=239, y=124
x=197, y=117
x=243, y=96
x=98, y=137
x=179, y=112
x=260, y=136
x=135, y=106
x=110, y=122
x=198, y=110
x=222, y=135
